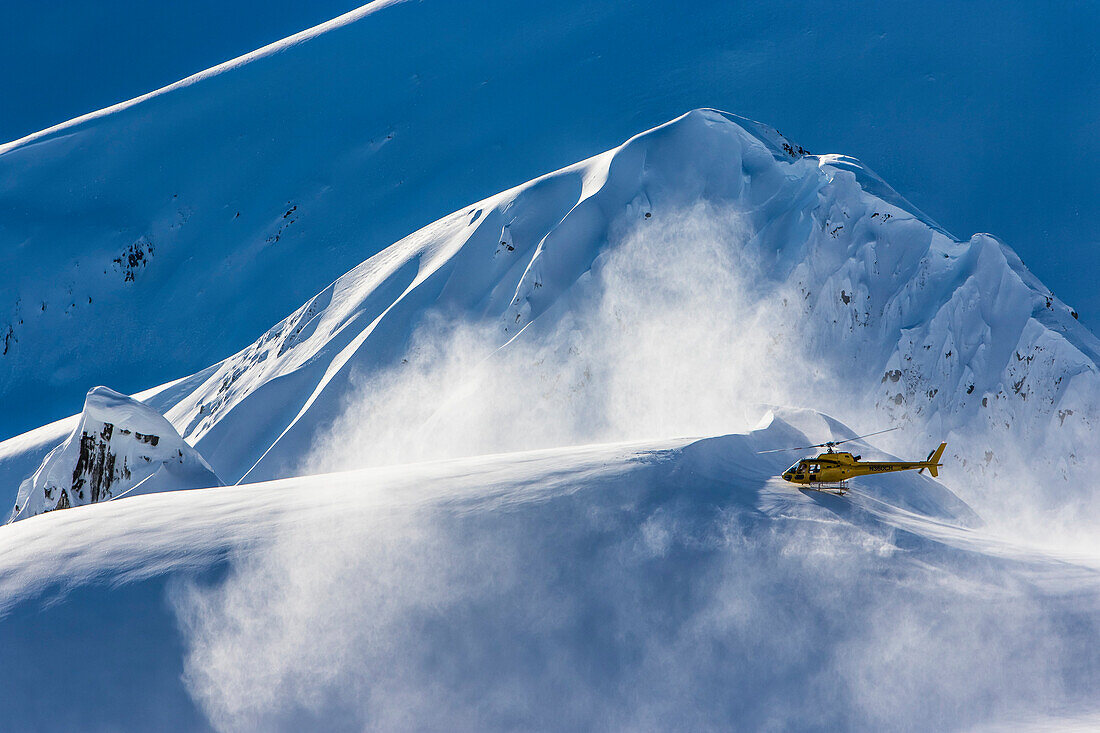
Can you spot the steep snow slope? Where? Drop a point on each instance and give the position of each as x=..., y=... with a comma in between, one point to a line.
x=119, y=446
x=669, y=584
x=370, y=127
x=956, y=338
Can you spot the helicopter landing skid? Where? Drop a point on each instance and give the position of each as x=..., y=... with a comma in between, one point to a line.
x=839, y=488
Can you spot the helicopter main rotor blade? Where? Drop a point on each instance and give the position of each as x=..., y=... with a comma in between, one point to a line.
x=860, y=437
x=783, y=450
x=827, y=443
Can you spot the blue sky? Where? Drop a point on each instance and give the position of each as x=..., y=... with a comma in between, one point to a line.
x=984, y=114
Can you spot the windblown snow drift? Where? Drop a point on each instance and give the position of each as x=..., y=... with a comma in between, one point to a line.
x=655, y=585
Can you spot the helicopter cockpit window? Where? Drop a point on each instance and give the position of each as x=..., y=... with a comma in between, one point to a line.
x=793, y=469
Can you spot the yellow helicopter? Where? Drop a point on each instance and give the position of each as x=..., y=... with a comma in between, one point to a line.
x=830, y=471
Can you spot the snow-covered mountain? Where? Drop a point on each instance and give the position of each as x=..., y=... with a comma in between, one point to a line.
x=123, y=226
x=849, y=298
x=530, y=538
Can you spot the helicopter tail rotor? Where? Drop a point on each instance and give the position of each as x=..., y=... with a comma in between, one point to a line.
x=933, y=461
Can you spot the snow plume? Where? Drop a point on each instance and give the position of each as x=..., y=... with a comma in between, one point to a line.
x=649, y=599
x=1019, y=499
x=672, y=333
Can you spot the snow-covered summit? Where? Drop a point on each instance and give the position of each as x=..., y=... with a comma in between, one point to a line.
x=844, y=279
x=194, y=181
x=953, y=336
x=119, y=447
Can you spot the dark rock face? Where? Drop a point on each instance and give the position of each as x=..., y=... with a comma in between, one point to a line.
x=133, y=259
x=96, y=469
x=142, y=437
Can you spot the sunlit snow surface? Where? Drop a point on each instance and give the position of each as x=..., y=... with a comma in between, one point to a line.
x=667, y=585
x=460, y=579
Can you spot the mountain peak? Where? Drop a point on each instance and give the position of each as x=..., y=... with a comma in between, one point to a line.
x=119, y=447
x=806, y=262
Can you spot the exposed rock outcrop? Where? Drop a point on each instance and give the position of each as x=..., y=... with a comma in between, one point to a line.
x=120, y=446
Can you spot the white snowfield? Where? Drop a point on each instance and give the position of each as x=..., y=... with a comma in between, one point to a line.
x=659, y=585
